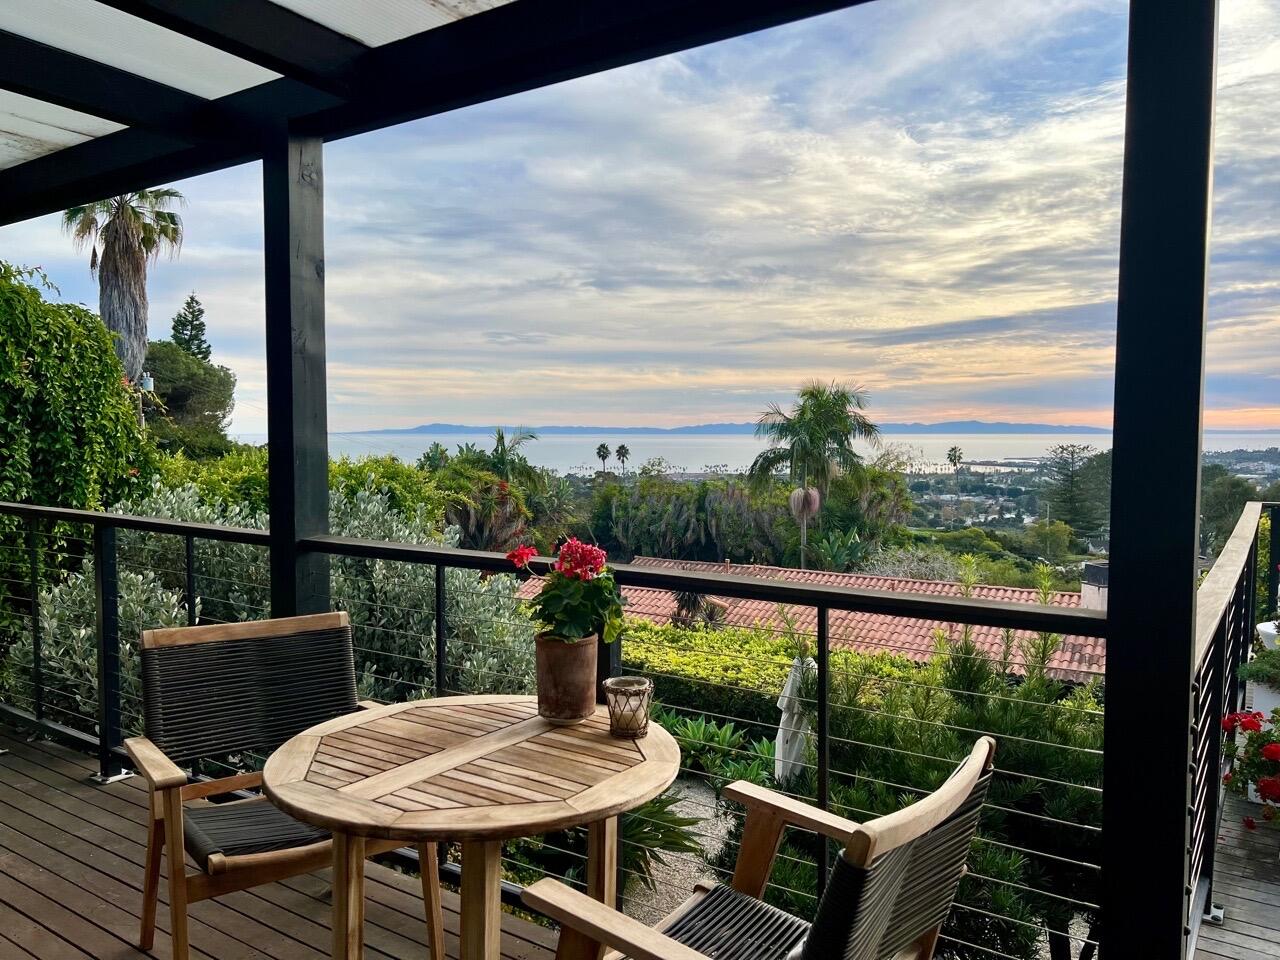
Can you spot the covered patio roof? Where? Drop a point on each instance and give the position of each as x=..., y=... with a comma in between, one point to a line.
x=99, y=97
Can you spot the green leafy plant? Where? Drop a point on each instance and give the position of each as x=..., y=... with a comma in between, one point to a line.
x=1264, y=668
x=579, y=597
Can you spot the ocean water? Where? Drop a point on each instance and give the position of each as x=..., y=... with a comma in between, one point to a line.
x=698, y=453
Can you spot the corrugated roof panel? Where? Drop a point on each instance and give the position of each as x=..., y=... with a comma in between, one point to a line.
x=375, y=22
x=97, y=32
x=32, y=128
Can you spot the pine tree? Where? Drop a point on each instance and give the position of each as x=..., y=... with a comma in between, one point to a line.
x=188, y=329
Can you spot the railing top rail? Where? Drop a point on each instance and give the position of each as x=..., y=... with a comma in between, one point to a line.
x=1219, y=585
x=994, y=613
x=125, y=521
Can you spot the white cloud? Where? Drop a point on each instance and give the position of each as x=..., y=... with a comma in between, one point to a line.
x=920, y=197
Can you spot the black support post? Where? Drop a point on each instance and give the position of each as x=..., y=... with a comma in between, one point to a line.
x=37, y=649
x=1273, y=566
x=824, y=737
x=442, y=633
x=190, y=546
x=107, y=589
x=297, y=417
x=1159, y=388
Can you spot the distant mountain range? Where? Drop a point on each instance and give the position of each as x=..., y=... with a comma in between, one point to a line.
x=739, y=429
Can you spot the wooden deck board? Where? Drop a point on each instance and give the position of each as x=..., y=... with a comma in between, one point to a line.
x=1247, y=884
x=71, y=856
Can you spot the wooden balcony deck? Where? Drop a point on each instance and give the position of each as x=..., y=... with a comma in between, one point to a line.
x=71, y=879
x=1247, y=883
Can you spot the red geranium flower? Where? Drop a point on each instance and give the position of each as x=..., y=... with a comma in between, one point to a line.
x=1250, y=723
x=1227, y=778
x=1250, y=823
x=1269, y=788
x=521, y=555
x=1271, y=751
x=1230, y=722
x=580, y=561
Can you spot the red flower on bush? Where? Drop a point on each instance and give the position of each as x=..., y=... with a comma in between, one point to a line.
x=1269, y=788
x=521, y=555
x=1271, y=751
x=1250, y=823
x=1227, y=778
x=1251, y=723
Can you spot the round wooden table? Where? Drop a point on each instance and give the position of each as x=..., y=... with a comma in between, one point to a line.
x=477, y=769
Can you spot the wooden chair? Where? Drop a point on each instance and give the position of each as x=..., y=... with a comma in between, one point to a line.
x=886, y=899
x=215, y=690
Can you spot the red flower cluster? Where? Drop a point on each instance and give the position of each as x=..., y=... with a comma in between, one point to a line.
x=1269, y=789
x=522, y=554
x=1227, y=778
x=580, y=561
x=1250, y=721
x=1250, y=823
x=1271, y=751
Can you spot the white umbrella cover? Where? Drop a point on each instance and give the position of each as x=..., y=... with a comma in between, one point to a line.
x=793, y=726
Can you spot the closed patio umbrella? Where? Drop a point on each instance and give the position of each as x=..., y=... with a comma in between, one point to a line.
x=793, y=726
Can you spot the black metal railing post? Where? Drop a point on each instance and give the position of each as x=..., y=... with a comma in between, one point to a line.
x=190, y=545
x=107, y=590
x=37, y=649
x=441, y=631
x=1273, y=564
x=824, y=739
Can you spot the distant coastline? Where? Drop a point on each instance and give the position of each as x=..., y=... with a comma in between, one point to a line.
x=746, y=429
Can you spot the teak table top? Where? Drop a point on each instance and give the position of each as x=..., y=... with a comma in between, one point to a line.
x=465, y=768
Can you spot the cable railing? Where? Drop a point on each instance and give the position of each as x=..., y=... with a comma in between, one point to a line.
x=881, y=727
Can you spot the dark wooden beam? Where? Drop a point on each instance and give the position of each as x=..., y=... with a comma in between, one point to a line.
x=516, y=47
x=297, y=399
x=78, y=83
x=533, y=43
x=261, y=32
x=1160, y=333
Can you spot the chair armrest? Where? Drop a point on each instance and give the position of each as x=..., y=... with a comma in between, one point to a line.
x=594, y=924
x=160, y=772
x=795, y=813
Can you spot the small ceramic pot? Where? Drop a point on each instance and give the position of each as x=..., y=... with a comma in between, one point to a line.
x=566, y=678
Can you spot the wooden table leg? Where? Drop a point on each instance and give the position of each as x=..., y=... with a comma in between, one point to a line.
x=429, y=868
x=481, y=899
x=602, y=861
x=348, y=897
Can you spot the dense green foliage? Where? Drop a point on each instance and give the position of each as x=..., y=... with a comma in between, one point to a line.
x=193, y=402
x=68, y=424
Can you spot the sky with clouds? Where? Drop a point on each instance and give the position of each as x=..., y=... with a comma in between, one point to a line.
x=918, y=196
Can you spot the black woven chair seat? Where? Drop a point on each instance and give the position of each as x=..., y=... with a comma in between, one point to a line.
x=728, y=925
x=236, y=829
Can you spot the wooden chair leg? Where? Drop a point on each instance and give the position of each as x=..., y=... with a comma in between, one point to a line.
x=176, y=872
x=430, y=870
x=151, y=884
x=928, y=943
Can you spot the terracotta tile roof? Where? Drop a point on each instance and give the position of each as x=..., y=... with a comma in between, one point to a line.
x=1078, y=659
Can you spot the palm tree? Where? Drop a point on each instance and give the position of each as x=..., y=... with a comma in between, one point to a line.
x=132, y=230
x=602, y=454
x=623, y=453
x=955, y=457
x=813, y=442
x=509, y=463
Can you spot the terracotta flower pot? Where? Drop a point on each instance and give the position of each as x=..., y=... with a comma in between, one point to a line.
x=566, y=678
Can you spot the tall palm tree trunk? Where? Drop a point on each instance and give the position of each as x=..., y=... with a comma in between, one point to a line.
x=122, y=297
